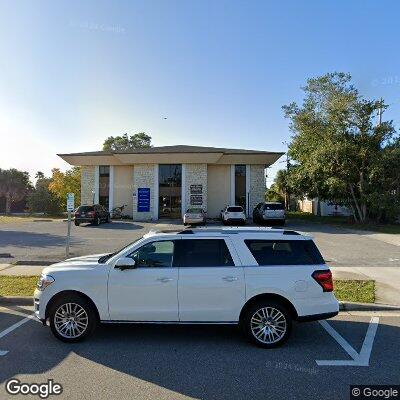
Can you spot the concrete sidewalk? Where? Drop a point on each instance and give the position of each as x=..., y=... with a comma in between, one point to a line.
x=387, y=280
x=20, y=270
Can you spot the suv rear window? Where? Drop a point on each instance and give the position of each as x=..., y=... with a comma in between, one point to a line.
x=234, y=209
x=85, y=208
x=202, y=253
x=284, y=252
x=274, y=206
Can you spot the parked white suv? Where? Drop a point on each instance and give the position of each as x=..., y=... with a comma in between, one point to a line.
x=260, y=278
x=233, y=214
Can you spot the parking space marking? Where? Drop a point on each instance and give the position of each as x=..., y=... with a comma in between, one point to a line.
x=358, y=359
x=15, y=326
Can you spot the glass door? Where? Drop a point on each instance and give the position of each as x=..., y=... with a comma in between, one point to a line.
x=170, y=189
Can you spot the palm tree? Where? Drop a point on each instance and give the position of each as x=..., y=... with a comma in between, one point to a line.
x=14, y=186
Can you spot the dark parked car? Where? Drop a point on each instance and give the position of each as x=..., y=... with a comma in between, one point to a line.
x=94, y=214
x=269, y=213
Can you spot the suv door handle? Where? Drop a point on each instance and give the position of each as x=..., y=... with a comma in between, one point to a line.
x=164, y=280
x=230, y=278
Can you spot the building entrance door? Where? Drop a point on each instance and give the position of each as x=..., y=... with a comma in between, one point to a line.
x=170, y=191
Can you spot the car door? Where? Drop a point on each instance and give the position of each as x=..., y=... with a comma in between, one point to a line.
x=211, y=285
x=147, y=292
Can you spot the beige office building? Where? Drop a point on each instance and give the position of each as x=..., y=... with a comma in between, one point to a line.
x=162, y=182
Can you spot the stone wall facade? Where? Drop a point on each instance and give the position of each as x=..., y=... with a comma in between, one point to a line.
x=257, y=185
x=195, y=174
x=143, y=177
x=87, y=184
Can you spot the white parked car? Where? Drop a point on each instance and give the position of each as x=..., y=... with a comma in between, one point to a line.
x=194, y=215
x=260, y=278
x=233, y=215
x=269, y=212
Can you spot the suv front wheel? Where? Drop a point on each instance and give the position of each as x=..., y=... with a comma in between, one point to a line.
x=72, y=318
x=267, y=324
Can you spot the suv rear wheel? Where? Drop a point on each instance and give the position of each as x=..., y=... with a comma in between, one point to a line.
x=267, y=323
x=72, y=318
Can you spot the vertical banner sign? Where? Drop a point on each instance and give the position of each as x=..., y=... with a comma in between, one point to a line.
x=143, y=200
x=70, y=208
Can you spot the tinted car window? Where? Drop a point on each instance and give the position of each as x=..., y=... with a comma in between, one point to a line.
x=154, y=254
x=274, y=206
x=281, y=252
x=85, y=208
x=235, y=209
x=202, y=253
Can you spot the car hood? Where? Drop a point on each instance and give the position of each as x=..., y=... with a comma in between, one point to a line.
x=84, y=262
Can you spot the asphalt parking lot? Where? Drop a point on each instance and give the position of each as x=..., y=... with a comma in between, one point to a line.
x=46, y=241
x=200, y=362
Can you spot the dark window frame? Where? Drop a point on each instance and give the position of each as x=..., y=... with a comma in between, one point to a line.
x=130, y=255
x=183, y=263
x=309, y=248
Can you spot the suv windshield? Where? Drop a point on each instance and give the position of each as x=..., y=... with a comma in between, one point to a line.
x=106, y=257
x=235, y=209
x=194, y=210
x=274, y=206
x=85, y=208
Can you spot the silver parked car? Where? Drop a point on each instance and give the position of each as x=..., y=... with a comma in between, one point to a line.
x=269, y=212
x=194, y=215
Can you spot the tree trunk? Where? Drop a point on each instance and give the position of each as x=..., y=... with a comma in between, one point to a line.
x=357, y=207
x=8, y=204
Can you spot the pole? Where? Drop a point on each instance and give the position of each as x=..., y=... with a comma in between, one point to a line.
x=68, y=234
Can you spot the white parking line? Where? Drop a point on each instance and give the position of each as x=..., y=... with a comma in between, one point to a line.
x=15, y=326
x=358, y=359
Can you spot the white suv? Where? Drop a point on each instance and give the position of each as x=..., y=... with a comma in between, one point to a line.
x=260, y=278
x=233, y=214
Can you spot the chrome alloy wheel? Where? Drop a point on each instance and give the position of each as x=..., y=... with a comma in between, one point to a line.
x=268, y=325
x=71, y=320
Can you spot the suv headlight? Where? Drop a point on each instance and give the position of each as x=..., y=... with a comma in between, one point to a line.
x=44, y=281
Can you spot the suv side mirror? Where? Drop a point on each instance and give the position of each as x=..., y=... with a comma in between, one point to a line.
x=124, y=263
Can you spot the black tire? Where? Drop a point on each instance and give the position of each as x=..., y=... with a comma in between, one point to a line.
x=108, y=220
x=281, y=312
x=92, y=318
x=77, y=223
x=97, y=221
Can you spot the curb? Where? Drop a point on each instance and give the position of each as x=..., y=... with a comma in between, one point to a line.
x=348, y=306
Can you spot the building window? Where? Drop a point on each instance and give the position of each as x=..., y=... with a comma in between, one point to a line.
x=104, y=185
x=240, y=186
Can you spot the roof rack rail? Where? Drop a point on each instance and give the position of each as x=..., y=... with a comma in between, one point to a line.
x=289, y=232
x=186, y=232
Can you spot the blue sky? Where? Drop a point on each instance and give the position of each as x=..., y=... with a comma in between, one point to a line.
x=73, y=73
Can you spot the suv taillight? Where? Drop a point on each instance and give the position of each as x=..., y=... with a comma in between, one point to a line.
x=324, y=278
x=91, y=213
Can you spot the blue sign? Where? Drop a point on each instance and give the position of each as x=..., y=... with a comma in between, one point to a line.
x=143, y=200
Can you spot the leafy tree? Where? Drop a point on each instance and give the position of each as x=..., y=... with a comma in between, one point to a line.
x=14, y=186
x=66, y=182
x=41, y=199
x=125, y=142
x=341, y=154
x=274, y=194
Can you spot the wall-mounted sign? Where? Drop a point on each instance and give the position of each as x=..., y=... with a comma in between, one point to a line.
x=196, y=200
x=143, y=199
x=196, y=189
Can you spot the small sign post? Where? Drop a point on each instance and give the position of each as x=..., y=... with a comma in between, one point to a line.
x=70, y=208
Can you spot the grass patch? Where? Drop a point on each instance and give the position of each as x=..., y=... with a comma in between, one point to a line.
x=17, y=285
x=344, y=222
x=353, y=290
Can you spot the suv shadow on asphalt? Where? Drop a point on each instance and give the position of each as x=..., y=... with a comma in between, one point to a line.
x=22, y=239
x=113, y=225
x=204, y=362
